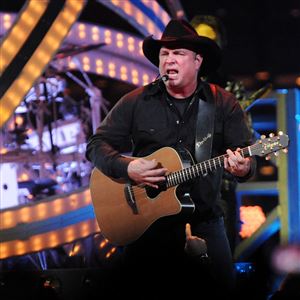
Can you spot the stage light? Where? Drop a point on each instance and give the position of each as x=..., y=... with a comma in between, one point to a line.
x=51, y=284
x=267, y=170
x=12, y=45
x=286, y=259
x=263, y=75
x=211, y=27
x=244, y=267
x=7, y=54
x=252, y=217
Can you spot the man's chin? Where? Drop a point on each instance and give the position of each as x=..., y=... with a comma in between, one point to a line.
x=173, y=82
x=173, y=78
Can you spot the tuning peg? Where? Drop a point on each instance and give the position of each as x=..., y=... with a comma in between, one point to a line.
x=271, y=135
x=262, y=136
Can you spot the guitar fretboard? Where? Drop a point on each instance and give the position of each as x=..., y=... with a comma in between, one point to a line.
x=201, y=169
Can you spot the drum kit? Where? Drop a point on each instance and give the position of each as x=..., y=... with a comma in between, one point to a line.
x=45, y=138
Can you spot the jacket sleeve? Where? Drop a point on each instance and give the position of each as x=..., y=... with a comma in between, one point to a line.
x=237, y=130
x=105, y=147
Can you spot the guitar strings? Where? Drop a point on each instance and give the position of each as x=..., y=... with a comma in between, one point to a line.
x=140, y=189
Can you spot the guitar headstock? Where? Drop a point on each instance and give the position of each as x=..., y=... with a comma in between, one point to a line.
x=272, y=144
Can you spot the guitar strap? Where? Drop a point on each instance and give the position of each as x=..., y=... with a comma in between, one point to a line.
x=205, y=123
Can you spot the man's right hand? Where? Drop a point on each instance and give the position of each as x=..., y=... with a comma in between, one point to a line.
x=145, y=172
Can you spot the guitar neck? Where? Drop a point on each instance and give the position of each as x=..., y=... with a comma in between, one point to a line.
x=201, y=169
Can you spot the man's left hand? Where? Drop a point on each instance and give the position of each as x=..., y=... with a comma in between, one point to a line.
x=236, y=164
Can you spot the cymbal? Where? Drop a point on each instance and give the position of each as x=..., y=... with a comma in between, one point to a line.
x=75, y=49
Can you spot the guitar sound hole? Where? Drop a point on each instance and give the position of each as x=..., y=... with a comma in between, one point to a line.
x=152, y=192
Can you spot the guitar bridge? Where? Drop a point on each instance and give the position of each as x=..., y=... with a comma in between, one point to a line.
x=130, y=198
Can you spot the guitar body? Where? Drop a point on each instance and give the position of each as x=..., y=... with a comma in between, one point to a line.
x=117, y=220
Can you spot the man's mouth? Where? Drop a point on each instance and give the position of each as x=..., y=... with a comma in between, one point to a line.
x=172, y=74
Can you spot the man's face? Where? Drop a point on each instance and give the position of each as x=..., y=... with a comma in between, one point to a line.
x=181, y=65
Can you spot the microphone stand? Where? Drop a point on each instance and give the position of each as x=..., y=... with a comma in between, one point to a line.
x=49, y=125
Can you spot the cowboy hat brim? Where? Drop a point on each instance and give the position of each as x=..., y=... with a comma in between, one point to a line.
x=207, y=48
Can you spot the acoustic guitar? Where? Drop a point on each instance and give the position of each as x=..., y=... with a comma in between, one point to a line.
x=125, y=211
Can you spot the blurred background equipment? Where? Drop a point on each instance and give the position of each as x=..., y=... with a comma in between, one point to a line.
x=8, y=185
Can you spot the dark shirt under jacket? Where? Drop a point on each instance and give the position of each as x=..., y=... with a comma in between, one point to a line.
x=150, y=120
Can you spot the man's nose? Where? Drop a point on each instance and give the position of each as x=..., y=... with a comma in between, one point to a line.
x=170, y=58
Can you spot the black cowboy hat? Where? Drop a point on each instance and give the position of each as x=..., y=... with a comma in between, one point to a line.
x=180, y=34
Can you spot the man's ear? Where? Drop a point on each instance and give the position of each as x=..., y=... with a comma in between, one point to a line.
x=198, y=59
